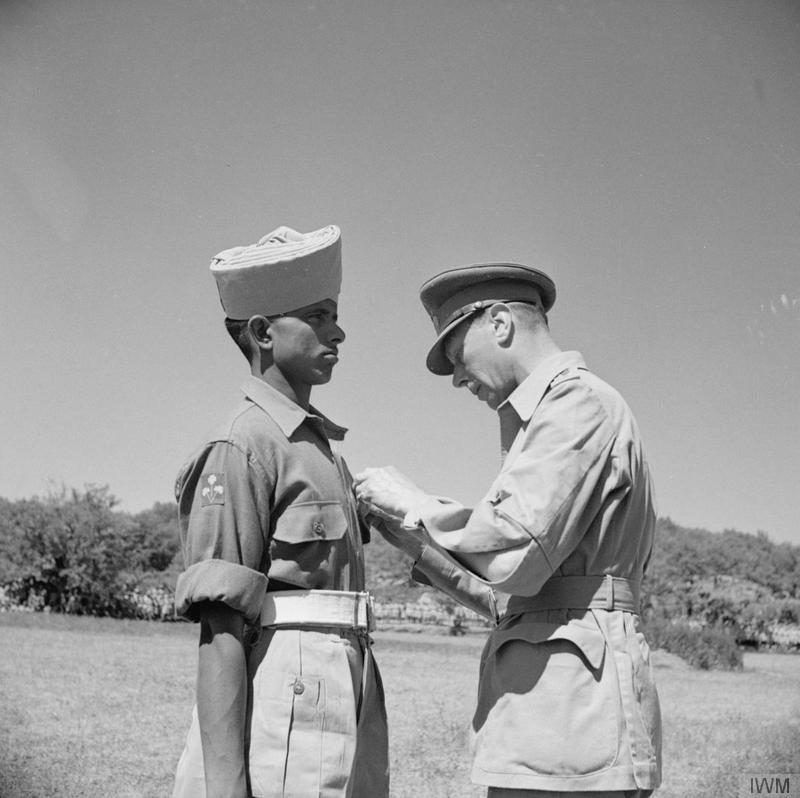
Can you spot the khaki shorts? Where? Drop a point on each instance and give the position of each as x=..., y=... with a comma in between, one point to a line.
x=316, y=720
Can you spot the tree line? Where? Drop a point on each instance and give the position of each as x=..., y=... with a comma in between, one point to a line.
x=743, y=582
x=75, y=551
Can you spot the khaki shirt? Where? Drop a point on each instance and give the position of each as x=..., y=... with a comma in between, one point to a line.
x=265, y=504
x=566, y=696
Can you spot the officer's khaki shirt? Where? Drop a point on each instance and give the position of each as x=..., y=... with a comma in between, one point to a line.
x=566, y=697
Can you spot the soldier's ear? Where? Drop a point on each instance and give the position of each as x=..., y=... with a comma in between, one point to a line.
x=260, y=331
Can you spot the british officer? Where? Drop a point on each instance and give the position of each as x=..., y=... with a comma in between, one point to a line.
x=566, y=699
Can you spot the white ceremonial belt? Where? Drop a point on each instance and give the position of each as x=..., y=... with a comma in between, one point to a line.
x=318, y=608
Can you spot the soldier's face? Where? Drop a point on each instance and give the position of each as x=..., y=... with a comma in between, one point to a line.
x=472, y=350
x=305, y=343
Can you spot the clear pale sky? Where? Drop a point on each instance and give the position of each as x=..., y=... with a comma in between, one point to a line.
x=647, y=152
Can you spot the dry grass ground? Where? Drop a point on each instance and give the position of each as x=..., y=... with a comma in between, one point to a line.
x=94, y=707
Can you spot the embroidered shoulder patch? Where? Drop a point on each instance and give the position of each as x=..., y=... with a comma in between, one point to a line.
x=213, y=490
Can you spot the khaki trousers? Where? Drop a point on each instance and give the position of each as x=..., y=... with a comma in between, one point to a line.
x=316, y=720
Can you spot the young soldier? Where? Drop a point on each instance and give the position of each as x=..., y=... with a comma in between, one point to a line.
x=566, y=702
x=289, y=698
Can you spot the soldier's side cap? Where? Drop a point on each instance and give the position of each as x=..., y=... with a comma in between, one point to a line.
x=283, y=271
x=455, y=295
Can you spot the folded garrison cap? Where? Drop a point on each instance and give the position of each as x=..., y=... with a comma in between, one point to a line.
x=283, y=271
x=455, y=295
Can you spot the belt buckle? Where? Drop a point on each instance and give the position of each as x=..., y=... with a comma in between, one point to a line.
x=609, y=592
x=365, y=613
x=370, y=613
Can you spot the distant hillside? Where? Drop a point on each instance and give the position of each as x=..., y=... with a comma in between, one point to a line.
x=389, y=572
x=74, y=551
x=742, y=581
x=681, y=554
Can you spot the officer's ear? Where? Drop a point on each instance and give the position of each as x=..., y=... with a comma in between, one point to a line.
x=501, y=321
x=259, y=328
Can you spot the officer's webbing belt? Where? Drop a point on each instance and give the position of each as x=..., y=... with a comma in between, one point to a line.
x=580, y=593
x=339, y=608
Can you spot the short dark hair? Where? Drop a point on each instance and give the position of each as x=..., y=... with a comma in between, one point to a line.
x=532, y=313
x=237, y=329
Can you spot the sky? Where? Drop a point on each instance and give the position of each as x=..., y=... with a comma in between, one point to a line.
x=646, y=154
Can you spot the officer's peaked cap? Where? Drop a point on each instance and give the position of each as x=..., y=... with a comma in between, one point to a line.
x=456, y=294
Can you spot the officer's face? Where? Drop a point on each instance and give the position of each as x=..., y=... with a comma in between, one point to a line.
x=472, y=350
x=305, y=343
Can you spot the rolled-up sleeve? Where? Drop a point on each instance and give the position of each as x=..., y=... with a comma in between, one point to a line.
x=435, y=568
x=541, y=504
x=224, y=512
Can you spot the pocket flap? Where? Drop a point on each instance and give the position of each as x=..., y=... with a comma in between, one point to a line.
x=588, y=638
x=311, y=522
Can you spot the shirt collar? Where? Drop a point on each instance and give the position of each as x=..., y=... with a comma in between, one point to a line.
x=288, y=415
x=526, y=396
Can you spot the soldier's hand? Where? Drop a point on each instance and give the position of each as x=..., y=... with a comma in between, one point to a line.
x=386, y=492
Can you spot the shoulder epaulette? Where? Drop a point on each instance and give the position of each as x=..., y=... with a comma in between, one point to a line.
x=569, y=373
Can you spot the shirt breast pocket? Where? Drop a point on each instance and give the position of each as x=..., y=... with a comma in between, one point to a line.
x=305, y=542
x=311, y=522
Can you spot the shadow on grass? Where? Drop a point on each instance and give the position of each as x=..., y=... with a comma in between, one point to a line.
x=17, y=779
x=20, y=774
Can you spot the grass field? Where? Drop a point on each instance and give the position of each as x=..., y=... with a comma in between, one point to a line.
x=95, y=707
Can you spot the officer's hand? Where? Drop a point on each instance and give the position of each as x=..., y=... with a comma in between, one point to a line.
x=386, y=492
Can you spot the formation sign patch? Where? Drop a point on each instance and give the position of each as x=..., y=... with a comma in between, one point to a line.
x=213, y=490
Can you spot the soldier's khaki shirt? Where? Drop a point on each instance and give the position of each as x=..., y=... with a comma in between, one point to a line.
x=266, y=502
x=566, y=697
x=267, y=505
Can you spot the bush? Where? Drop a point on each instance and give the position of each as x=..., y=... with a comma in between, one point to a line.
x=73, y=552
x=154, y=538
x=64, y=552
x=704, y=647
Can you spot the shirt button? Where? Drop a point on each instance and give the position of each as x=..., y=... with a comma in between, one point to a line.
x=319, y=529
x=298, y=688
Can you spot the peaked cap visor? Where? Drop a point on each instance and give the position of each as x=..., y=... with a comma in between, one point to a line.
x=452, y=297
